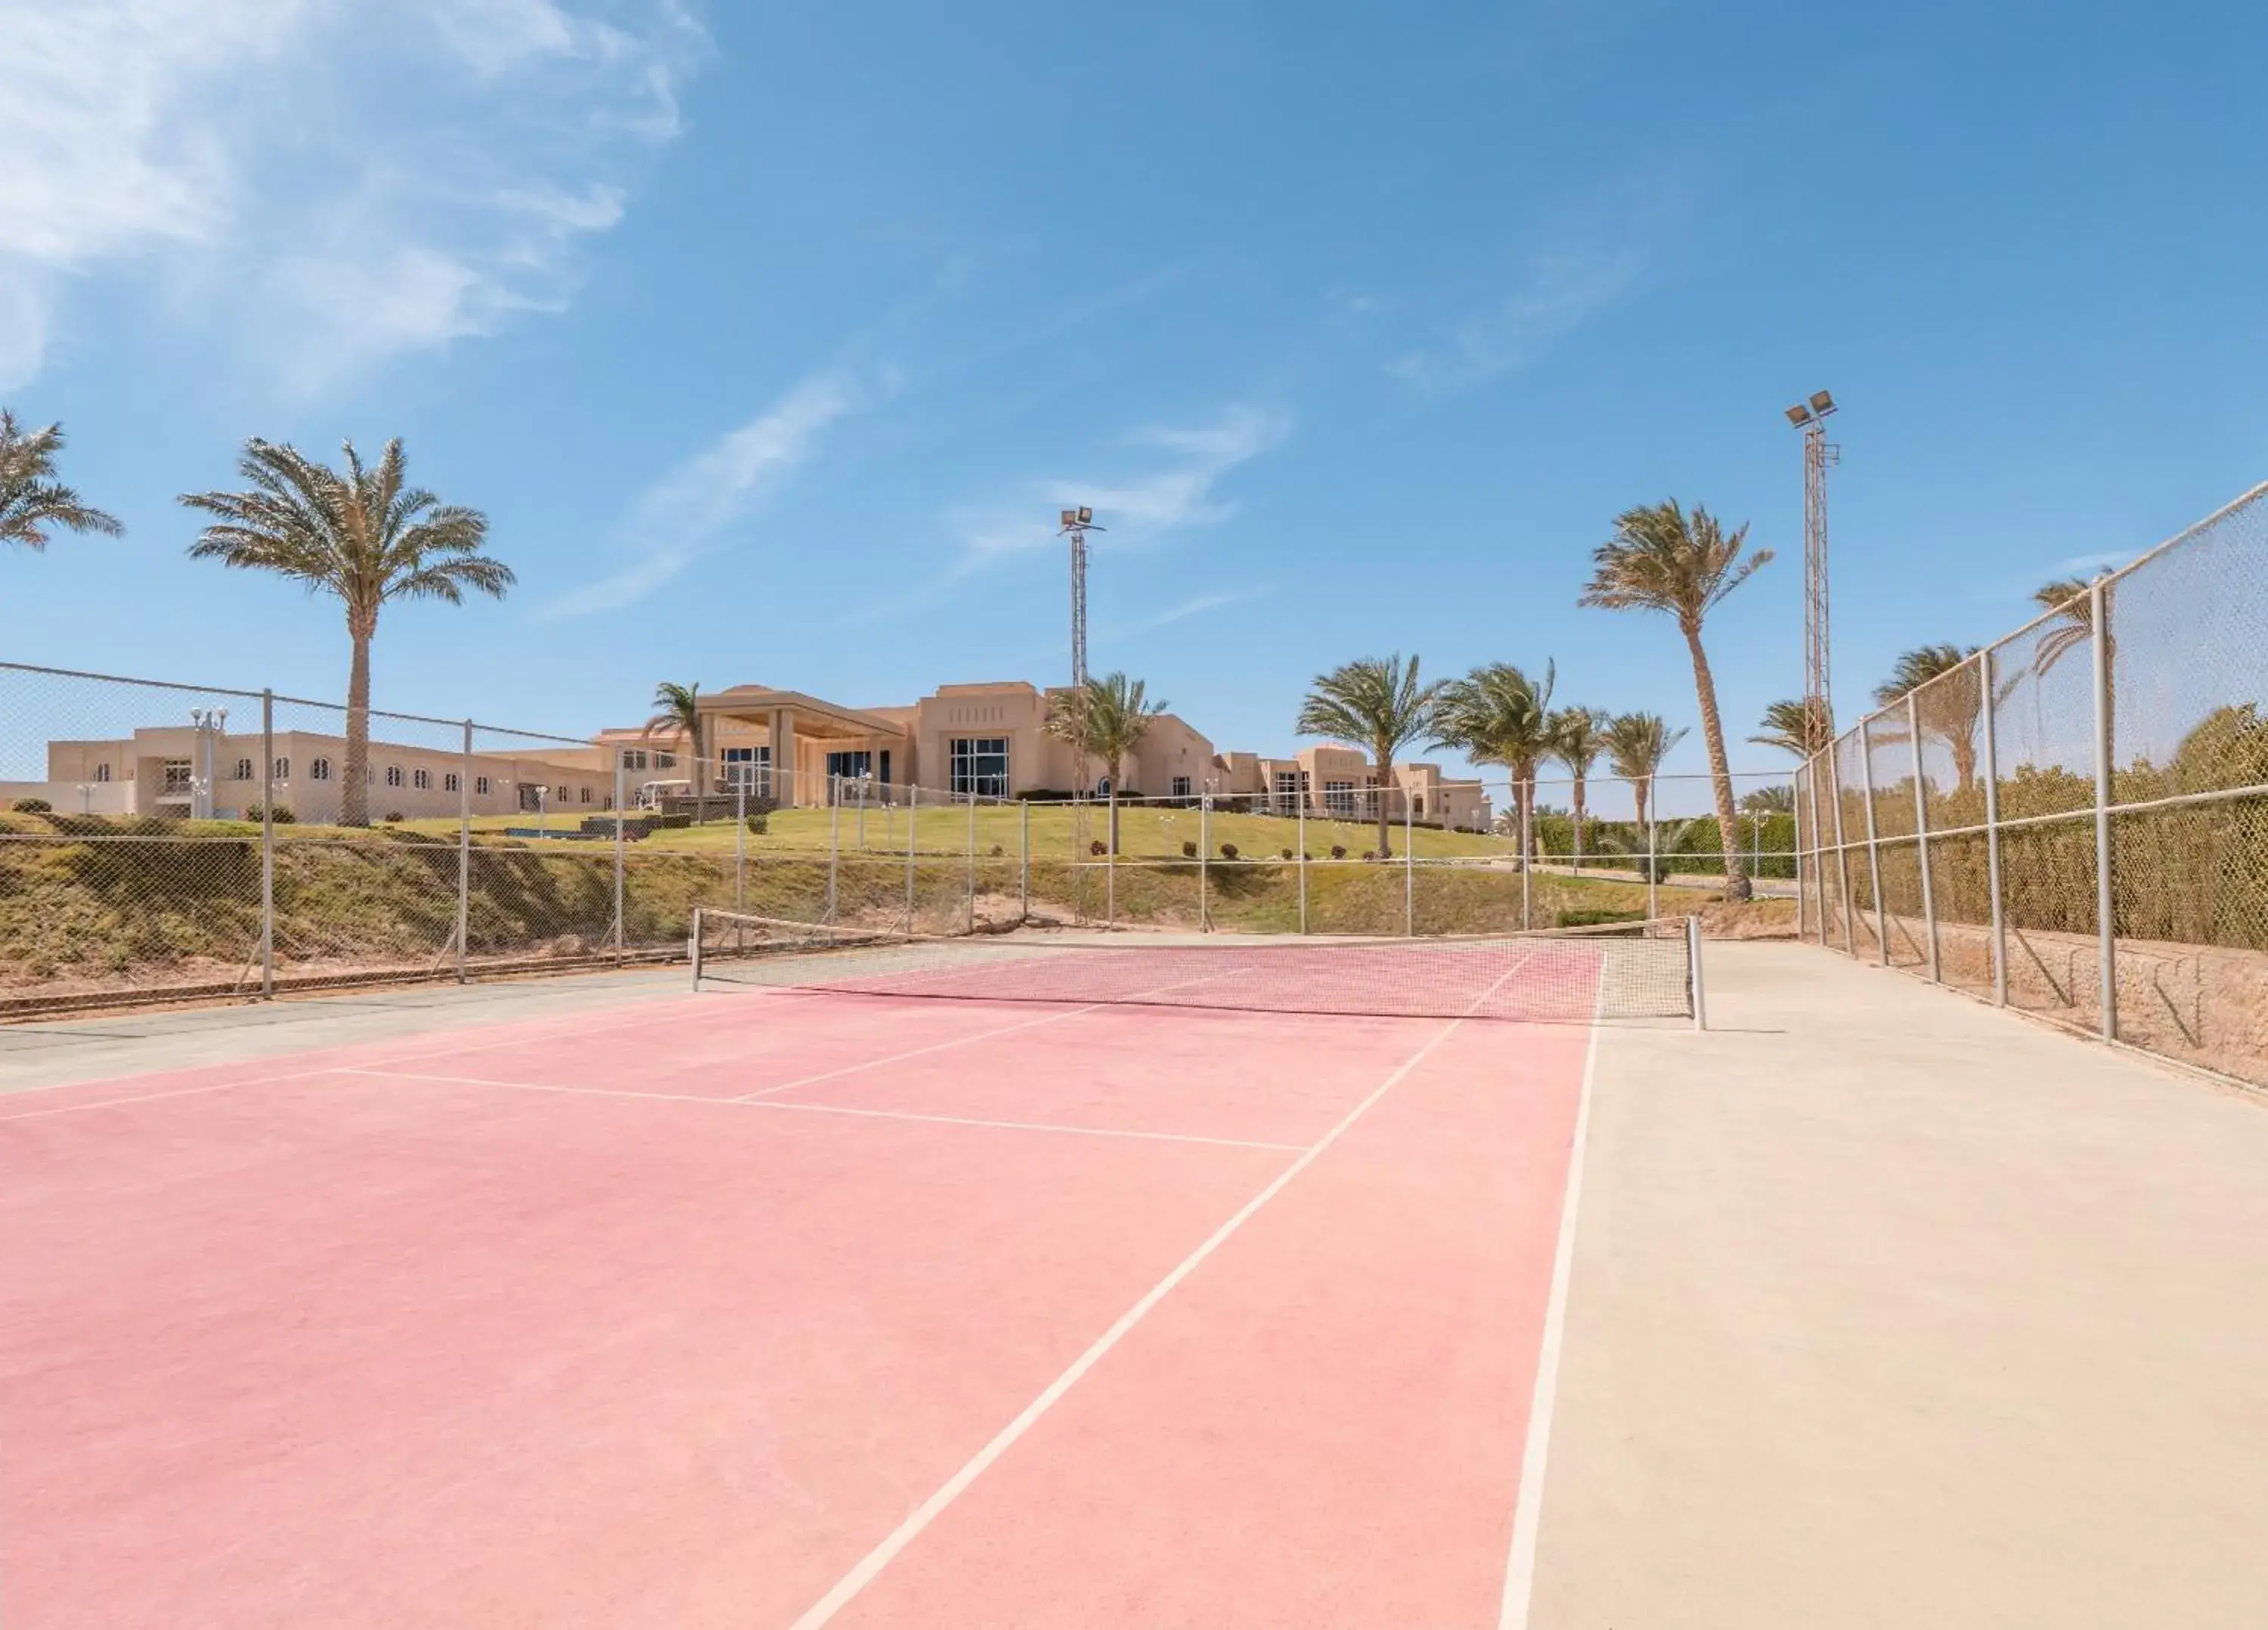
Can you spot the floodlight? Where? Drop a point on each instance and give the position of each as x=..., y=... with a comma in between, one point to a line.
x=1822, y=404
x=1071, y=517
x=1085, y=515
x=1799, y=415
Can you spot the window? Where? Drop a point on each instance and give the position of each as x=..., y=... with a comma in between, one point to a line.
x=979, y=765
x=177, y=775
x=1338, y=797
x=243, y=770
x=450, y=783
x=854, y=766
x=393, y=775
x=665, y=761
x=102, y=772
x=749, y=769
x=423, y=780
x=283, y=769
x=634, y=757
x=1180, y=787
x=583, y=795
x=884, y=774
x=320, y=770
x=1289, y=784
x=481, y=786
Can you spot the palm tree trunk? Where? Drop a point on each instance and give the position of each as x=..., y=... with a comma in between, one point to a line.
x=1720, y=774
x=1385, y=822
x=1578, y=820
x=354, y=770
x=1114, y=810
x=1641, y=790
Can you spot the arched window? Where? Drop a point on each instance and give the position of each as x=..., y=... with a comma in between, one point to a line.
x=102, y=772
x=393, y=775
x=283, y=769
x=320, y=770
x=244, y=769
x=481, y=786
x=423, y=780
x=449, y=782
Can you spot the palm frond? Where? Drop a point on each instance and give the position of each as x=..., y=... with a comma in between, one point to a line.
x=32, y=501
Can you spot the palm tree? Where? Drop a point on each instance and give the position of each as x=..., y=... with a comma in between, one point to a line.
x=677, y=712
x=1577, y=738
x=1636, y=745
x=1105, y=719
x=1373, y=702
x=360, y=533
x=1799, y=728
x=1661, y=559
x=1497, y=715
x=2074, y=627
x=1949, y=700
x=32, y=499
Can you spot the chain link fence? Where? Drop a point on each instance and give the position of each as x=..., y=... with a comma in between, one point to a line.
x=163, y=841
x=2074, y=823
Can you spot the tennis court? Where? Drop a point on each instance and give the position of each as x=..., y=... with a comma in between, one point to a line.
x=1091, y=1287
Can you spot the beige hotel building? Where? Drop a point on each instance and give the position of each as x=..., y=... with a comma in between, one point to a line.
x=984, y=739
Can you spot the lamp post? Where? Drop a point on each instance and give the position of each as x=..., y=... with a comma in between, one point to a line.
x=1819, y=454
x=209, y=722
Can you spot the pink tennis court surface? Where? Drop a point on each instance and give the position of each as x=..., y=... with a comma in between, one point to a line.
x=784, y=1309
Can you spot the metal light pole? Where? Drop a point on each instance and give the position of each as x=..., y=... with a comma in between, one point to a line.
x=1077, y=523
x=1819, y=454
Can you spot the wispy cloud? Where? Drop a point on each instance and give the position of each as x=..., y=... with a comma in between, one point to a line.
x=344, y=191
x=1182, y=611
x=688, y=512
x=1178, y=490
x=1586, y=264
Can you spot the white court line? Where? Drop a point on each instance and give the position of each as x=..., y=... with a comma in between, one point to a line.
x=929, y=1509
x=824, y=1109
x=1528, y=1513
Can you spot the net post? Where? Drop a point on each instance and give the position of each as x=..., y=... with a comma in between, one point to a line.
x=2106, y=926
x=694, y=951
x=1024, y=860
x=1992, y=838
x=464, y=851
x=1921, y=834
x=1301, y=794
x=621, y=860
x=1408, y=872
x=268, y=845
x=1693, y=973
x=1873, y=843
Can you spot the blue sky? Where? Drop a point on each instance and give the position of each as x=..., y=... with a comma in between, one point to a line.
x=770, y=338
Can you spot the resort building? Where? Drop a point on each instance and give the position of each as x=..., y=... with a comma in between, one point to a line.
x=785, y=746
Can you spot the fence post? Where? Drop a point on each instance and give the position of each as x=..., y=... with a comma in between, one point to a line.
x=1110, y=858
x=1873, y=844
x=913, y=808
x=1802, y=900
x=972, y=863
x=1841, y=855
x=268, y=844
x=740, y=843
x=1205, y=860
x=1693, y=973
x=1652, y=857
x=2105, y=917
x=1525, y=795
x=1408, y=872
x=1921, y=835
x=622, y=934
x=1992, y=837
x=465, y=853
x=1302, y=807
x=1024, y=860
x=834, y=847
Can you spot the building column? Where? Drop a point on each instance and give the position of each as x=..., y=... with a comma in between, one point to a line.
x=787, y=786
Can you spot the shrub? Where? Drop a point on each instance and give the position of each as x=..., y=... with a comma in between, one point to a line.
x=1591, y=916
x=394, y=817
x=33, y=805
x=1370, y=854
x=1287, y=854
x=1339, y=853
x=283, y=815
x=1189, y=849
x=1228, y=852
x=760, y=823
x=1098, y=847
x=998, y=851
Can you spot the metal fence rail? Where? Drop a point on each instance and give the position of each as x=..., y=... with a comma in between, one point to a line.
x=2074, y=823
x=161, y=840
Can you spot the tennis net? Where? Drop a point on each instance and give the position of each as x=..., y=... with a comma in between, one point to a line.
x=1620, y=970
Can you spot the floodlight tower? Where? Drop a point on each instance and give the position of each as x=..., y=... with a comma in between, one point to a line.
x=1818, y=454
x=1077, y=523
